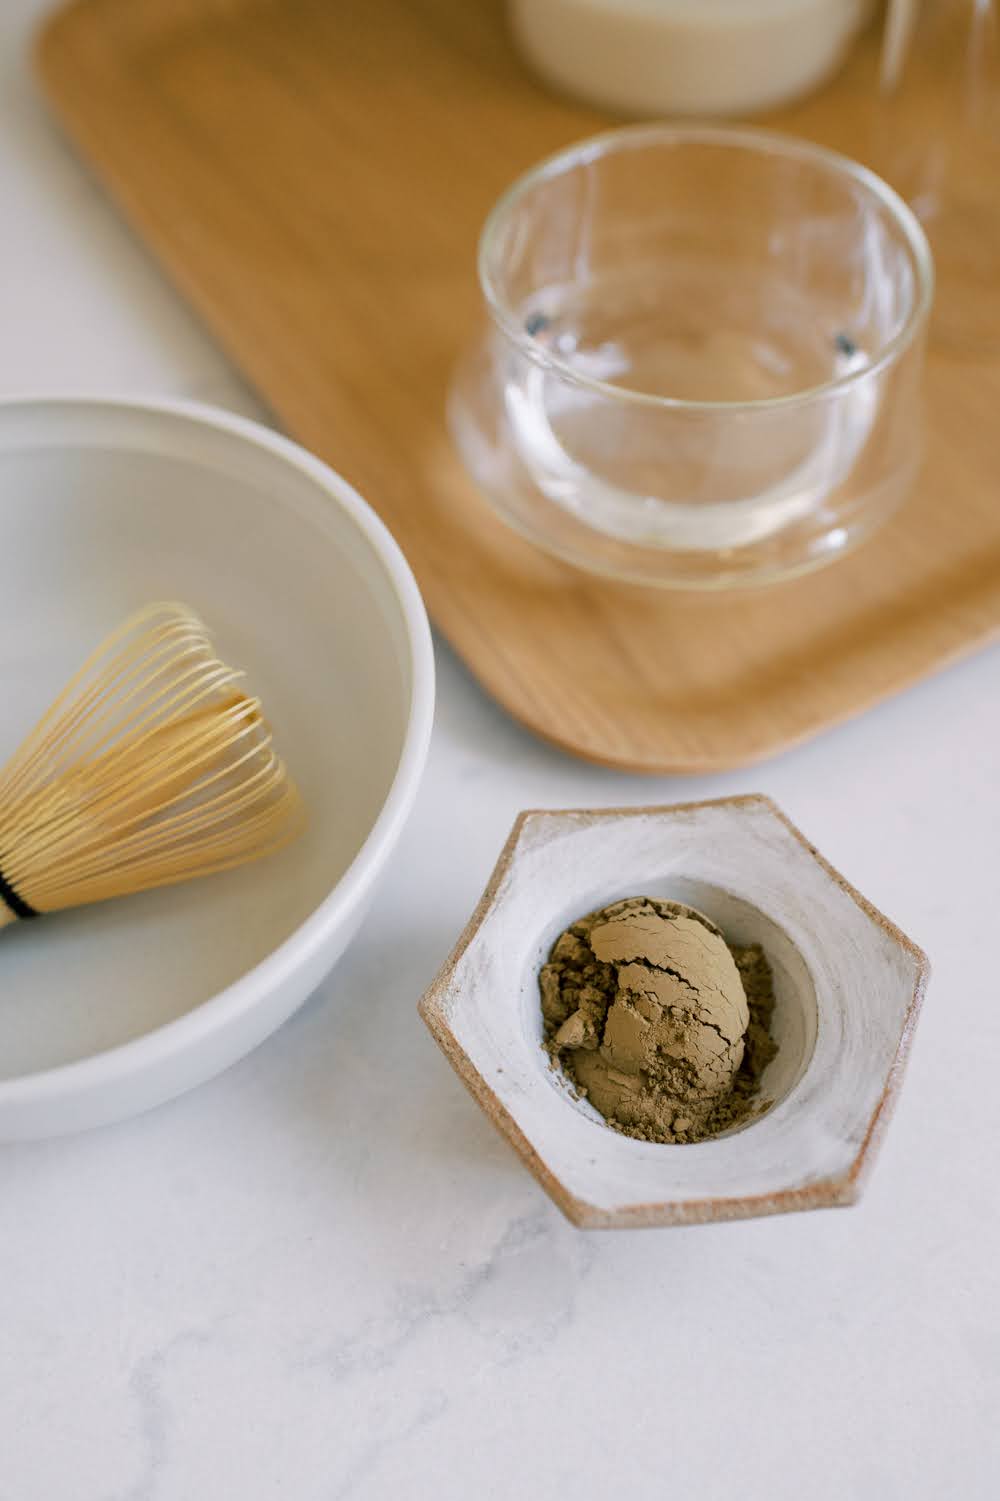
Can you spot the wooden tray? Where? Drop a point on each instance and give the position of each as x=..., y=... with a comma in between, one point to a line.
x=314, y=176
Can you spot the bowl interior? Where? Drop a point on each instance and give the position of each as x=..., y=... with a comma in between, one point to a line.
x=795, y=1019
x=106, y=509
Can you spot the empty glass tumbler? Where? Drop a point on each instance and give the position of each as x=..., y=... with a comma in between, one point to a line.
x=703, y=355
x=938, y=143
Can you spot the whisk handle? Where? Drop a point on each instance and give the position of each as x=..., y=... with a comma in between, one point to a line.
x=13, y=905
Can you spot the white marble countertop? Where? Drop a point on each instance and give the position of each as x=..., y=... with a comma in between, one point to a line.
x=324, y=1275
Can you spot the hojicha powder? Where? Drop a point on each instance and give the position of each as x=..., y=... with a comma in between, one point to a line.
x=657, y=1021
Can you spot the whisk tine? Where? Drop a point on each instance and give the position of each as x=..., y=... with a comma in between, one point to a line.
x=77, y=707
x=151, y=767
x=197, y=682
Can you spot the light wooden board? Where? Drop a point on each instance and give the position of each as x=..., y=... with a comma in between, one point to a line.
x=314, y=177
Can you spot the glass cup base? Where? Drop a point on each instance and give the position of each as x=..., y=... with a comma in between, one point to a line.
x=737, y=545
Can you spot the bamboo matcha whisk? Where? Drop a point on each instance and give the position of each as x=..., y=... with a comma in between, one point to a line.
x=150, y=768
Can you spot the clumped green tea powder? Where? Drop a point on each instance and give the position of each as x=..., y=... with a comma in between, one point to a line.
x=659, y=1023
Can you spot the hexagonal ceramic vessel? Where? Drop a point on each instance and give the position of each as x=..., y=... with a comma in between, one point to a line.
x=848, y=987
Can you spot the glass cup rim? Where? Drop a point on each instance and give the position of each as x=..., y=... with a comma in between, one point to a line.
x=769, y=142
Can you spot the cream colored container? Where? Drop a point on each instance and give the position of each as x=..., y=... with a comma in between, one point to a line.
x=690, y=57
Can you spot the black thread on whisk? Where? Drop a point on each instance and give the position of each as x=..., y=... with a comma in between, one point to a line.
x=17, y=904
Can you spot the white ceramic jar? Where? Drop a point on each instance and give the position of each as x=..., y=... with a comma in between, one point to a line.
x=689, y=57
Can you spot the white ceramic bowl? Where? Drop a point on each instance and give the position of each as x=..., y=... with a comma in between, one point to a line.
x=107, y=505
x=848, y=987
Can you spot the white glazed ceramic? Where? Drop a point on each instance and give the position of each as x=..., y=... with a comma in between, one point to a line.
x=848, y=986
x=107, y=505
x=728, y=57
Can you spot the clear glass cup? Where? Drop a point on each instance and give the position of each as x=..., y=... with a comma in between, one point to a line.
x=937, y=141
x=703, y=355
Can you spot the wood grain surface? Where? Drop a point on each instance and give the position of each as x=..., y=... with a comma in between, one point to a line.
x=314, y=178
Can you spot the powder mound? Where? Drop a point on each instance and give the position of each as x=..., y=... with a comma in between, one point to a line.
x=661, y=1025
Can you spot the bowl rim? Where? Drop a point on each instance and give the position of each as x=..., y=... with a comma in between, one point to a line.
x=745, y=138
x=213, y=1015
